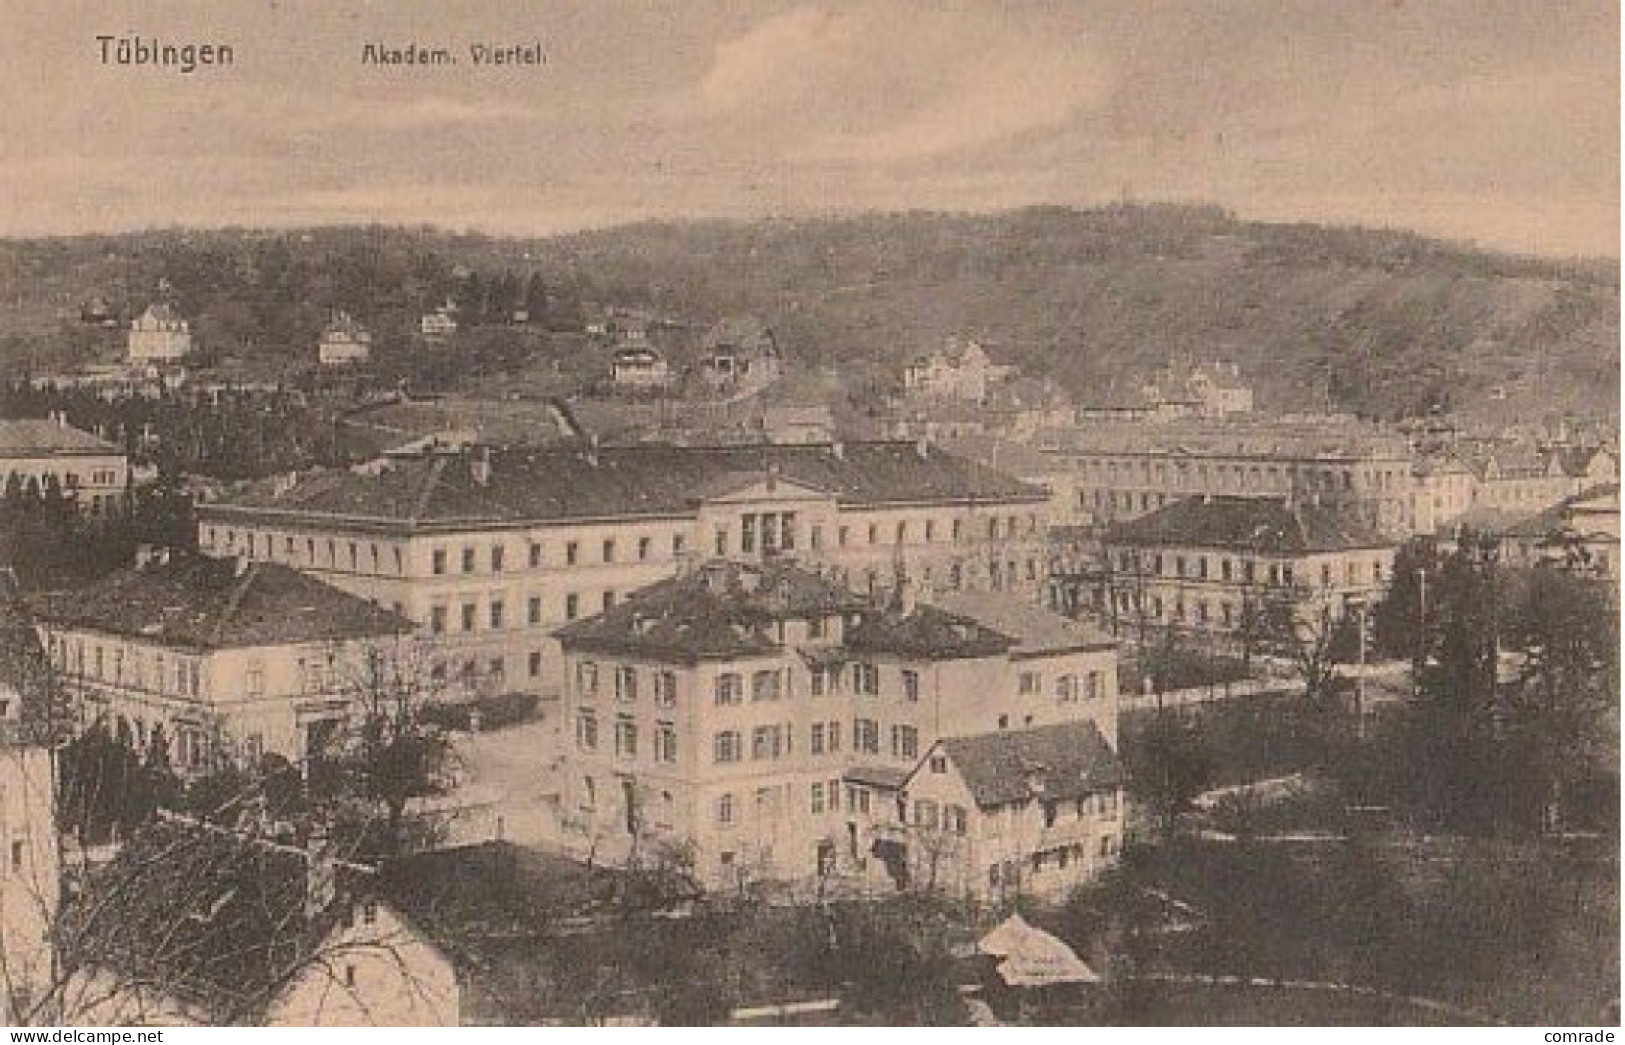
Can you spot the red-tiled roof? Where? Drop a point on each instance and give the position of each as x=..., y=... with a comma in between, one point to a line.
x=1254, y=524
x=196, y=602
x=1060, y=762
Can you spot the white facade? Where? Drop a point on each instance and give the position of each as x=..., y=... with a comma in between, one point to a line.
x=159, y=335
x=30, y=874
x=238, y=702
x=1028, y=847
x=91, y=471
x=788, y=764
x=374, y=970
x=491, y=595
x=343, y=343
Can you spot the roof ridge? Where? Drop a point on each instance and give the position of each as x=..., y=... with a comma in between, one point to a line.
x=420, y=504
x=239, y=592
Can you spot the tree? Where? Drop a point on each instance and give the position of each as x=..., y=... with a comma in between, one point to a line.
x=390, y=751
x=1399, y=621
x=1168, y=767
x=1561, y=629
x=1317, y=639
x=105, y=788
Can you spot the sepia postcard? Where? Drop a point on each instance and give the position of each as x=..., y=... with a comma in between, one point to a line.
x=1086, y=513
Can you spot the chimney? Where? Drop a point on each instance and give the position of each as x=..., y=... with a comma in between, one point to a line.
x=592, y=450
x=479, y=465
x=837, y=450
x=922, y=447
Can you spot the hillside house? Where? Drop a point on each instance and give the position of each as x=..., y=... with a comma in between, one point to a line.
x=159, y=335
x=344, y=342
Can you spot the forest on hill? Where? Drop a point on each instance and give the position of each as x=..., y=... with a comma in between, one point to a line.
x=1383, y=323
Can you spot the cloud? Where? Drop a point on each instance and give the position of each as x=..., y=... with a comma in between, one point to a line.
x=880, y=84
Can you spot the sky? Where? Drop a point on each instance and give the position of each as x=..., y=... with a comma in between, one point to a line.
x=1481, y=120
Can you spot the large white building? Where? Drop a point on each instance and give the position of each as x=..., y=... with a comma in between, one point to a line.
x=1217, y=565
x=489, y=551
x=770, y=718
x=216, y=656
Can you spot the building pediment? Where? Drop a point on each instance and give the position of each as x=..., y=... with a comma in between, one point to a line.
x=759, y=487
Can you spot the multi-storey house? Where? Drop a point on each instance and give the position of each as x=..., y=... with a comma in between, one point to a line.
x=1028, y=812
x=1122, y=471
x=489, y=551
x=91, y=472
x=1212, y=565
x=159, y=335
x=216, y=657
x=770, y=717
x=343, y=342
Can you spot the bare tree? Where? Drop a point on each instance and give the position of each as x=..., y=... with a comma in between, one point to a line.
x=389, y=751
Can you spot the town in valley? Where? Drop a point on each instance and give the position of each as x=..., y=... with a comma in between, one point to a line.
x=703, y=625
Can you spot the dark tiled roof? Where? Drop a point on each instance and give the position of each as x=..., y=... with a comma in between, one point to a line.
x=721, y=610
x=1064, y=761
x=541, y=484
x=1256, y=524
x=1006, y=456
x=33, y=438
x=888, y=777
x=202, y=603
x=925, y=633
x=1036, y=629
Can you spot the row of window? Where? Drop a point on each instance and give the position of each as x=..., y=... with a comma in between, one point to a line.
x=626, y=736
x=495, y=617
x=823, y=738
x=493, y=558
x=1008, y=872
x=179, y=676
x=1067, y=688
x=1200, y=567
x=1237, y=476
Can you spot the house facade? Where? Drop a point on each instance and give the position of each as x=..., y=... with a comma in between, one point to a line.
x=770, y=717
x=159, y=335
x=344, y=342
x=961, y=369
x=193, y=924
x=1124, y=470
x=215, y=657
x=91, y=472
x=639, y=367
x=1025, y=813
x=489, y=551
x=740, y=353
x=1212, y=565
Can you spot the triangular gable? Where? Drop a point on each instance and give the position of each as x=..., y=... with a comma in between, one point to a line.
x=756, y=487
